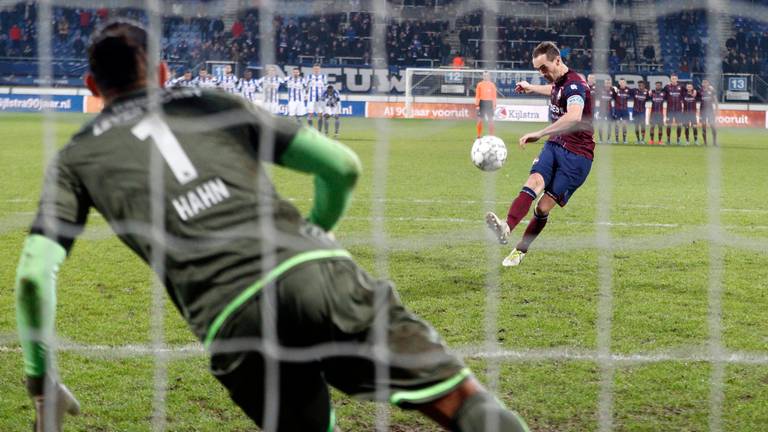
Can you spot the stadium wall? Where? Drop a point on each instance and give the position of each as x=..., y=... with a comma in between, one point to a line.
x=32, y=99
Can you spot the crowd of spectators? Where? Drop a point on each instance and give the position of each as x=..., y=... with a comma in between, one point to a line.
x=346, y=38
x=747, y=50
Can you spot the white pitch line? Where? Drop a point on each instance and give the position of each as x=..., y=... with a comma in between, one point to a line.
x=474, y=352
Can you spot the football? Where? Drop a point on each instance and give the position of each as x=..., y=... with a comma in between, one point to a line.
x=489, y=153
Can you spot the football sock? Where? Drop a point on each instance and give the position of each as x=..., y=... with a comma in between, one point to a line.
x=714, y=135
x=669, y=133
x=520, y=207
x=320, y=123
x=637, y=133
x=336, y=124
x=687, y=133
x=624, y=133
x=479, y=128
x=534, y=228
x=327, y=123
x=695, y=133
x=482, y=409
x=642, y=128
x=491, y=127
x=704, y=133
x=679, y=132
x=310, y=122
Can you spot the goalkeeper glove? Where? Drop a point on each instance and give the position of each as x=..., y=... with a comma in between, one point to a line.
x=52, y=400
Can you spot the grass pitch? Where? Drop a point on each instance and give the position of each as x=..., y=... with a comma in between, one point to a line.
x=438, y=254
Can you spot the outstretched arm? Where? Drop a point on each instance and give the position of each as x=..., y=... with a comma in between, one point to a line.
x=526, y=87
x=336, y=169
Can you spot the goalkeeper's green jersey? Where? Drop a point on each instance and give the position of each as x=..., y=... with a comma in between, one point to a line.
x=219, y=224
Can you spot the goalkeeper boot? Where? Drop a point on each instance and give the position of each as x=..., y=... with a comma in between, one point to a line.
x=513, y=259
x=498, y=226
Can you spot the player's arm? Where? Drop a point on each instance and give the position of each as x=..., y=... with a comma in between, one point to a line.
x=495, y=91
x=61, y=216
x=527, y=88
x=336, y=169
x=569, y=122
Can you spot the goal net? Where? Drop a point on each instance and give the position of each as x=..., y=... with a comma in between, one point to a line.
x=426, y=84
x=642, y=305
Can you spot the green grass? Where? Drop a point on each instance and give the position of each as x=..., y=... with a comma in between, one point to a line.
x=437, y=255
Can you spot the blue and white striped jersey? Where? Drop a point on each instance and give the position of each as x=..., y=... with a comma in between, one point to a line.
x=181, y=82
x=249, y=89
x=316, y=84
x=270, y=84
x=333, y=99
x=208, y=82
x=297, y=89
x=228, y=83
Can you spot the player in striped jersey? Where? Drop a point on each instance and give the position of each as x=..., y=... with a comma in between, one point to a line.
x=228, y=81
x=316, y=85
x=297, y=95
x=708, y=98
x=204, y=80
x=332, y=103
x=271, y=84
x=248, y=87
x=185, y=80
x=690, y=97
x=639, y=99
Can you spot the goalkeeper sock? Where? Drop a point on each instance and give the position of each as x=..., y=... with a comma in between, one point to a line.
x=534, y=228
x=482, y=409
x=520, y=207
x=491, y=127
x=479, y=128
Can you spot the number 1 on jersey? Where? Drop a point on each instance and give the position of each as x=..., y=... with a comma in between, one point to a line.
x=153, y=126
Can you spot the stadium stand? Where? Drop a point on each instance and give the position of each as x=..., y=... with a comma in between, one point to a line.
x=419, y=39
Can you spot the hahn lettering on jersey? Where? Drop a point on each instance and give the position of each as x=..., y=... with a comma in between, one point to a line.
x=202, y=197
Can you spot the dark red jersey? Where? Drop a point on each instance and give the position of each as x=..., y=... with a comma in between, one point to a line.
x=708, y=98
x=657, y=101
x=639, y=98
x=571, y=89
x=606, y=100
x=593, y=94
x=689, y=102
x=621, y=98
x=675, y=95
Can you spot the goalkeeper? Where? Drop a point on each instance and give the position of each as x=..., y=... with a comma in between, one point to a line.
x=254, y=280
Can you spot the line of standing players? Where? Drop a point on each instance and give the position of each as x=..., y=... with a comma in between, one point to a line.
x=672, y=105
x=307, y=96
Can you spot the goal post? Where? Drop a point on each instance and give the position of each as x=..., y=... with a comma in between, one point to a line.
x=453, y=83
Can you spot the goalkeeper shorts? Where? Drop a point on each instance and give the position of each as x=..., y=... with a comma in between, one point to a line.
x=326, y=313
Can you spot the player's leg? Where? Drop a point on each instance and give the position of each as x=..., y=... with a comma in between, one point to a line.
x=687, y=127
x=635, y=120
x=641, y=120
x=571, y=172
x=541, y=171
x=320, y=116
x=310, y=114
x=695, y=130
x=421, y=374
x=292, y=397
x=336, y=124
x=679, y=128
x=326, y=122
x=624, y=120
